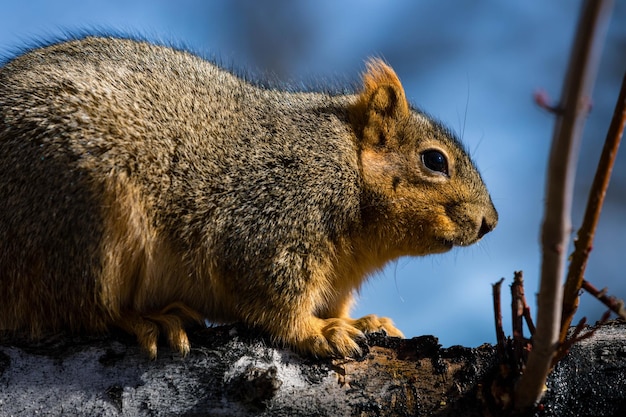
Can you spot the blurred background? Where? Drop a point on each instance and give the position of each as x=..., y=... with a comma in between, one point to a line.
x=472, y=65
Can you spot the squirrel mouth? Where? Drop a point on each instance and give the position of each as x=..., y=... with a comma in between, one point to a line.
x=446, y=244
x=456, y=241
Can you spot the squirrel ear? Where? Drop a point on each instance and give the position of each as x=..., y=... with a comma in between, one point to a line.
x=380, y=105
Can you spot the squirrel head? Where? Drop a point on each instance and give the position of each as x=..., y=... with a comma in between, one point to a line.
x=423, y=194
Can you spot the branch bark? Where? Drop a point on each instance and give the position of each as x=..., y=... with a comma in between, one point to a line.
x=556, y=228
x=231, y=371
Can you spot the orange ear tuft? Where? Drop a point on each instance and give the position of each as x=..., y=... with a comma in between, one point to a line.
x=380, y=74
x=381, y=103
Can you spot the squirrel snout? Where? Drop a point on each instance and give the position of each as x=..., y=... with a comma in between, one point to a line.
x=486, y=226
x=489, y=222
x=471, y=222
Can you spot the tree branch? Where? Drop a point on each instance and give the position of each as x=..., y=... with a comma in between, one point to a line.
x=614, y=304
x=559, y=189
x=234, y=371
x=584, y=241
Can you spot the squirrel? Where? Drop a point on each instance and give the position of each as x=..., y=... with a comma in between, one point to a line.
x=145, y=188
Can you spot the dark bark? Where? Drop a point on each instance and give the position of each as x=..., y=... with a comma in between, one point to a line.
x=234, y=372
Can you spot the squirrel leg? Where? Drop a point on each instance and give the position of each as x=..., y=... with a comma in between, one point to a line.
x=296, y=325
x=170, y=320
x=334, y=334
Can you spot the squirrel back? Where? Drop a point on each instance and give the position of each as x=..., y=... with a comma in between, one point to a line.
x=143, y=187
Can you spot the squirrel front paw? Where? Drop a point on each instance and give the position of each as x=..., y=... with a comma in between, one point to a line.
x=337, y=337
x=373, y=323
x=323, y=338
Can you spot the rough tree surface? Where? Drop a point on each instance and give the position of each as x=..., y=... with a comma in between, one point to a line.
x=232, y=371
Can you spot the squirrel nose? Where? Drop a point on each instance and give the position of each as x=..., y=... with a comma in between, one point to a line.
x=485, y=227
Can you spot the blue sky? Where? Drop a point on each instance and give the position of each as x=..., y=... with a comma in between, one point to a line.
x=473, y=65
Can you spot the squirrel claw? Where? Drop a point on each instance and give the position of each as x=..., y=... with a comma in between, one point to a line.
x=345, y=337
x=170, y=320
x=373, y=323
x=334, y=337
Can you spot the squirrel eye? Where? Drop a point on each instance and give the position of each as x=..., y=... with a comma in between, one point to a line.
x=435, y=161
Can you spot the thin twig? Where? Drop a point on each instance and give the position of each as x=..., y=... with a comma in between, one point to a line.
x=559, y=189
x=542, y=99
x=528, y=317
x=517, y=310
x=497, y=309
x=577, y=336
x=614, y=304
x=584, y=241
x=519, y=276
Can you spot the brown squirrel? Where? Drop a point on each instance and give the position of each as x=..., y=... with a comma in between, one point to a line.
x=145, y=188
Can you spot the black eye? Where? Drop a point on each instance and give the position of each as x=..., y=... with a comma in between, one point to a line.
x=435, y=161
